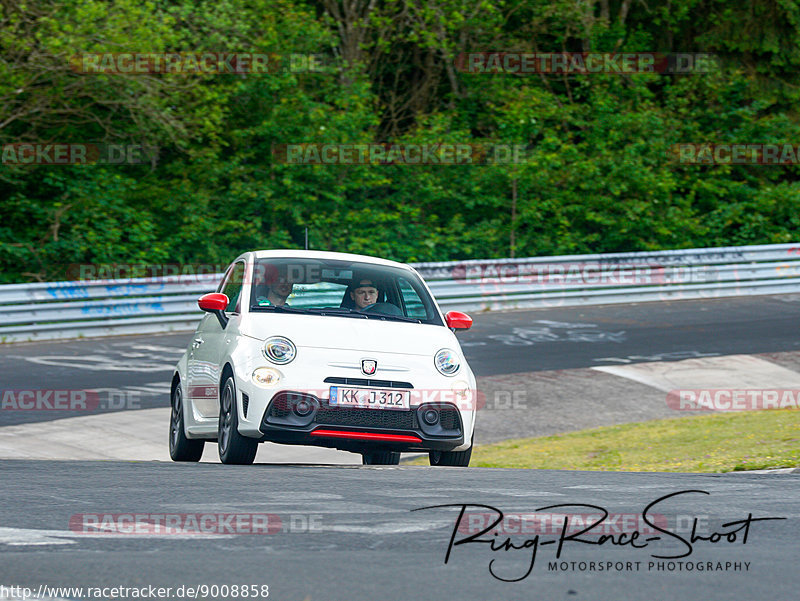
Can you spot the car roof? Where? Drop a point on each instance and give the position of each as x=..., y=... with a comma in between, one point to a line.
x=319, y=254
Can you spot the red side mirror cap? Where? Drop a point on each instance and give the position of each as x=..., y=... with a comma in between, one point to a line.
x=213, y=302
x=458, y=320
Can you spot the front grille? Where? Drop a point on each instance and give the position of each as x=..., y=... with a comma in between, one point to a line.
x=449, y=419
x=367, y=418
x=366, y=382
x=280, y=407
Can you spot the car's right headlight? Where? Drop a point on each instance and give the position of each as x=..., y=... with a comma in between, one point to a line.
x=279, y=350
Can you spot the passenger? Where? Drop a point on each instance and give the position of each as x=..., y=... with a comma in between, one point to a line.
x=276, y=294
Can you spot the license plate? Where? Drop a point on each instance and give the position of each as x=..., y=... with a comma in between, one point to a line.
x=370, y=398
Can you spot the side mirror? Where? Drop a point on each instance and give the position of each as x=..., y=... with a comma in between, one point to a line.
x=457, y=320
x=215, y=303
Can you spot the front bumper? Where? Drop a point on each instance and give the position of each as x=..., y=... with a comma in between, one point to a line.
x=294, y=417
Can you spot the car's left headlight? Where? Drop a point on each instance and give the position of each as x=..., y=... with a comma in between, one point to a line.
x=447, y=362
x=279, y=350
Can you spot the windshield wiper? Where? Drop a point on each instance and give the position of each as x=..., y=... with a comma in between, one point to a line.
x=338, y=311
x=278, y=308
x=395, y=317
x=367, y=314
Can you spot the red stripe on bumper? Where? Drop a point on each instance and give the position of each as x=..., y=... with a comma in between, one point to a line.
x=366, y=436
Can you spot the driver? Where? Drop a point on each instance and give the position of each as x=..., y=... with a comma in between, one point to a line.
x=365, y=294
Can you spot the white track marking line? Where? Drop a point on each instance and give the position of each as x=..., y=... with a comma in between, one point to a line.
x=34, y=536
x=98, y=363
x=726, y=372
x=139, y=435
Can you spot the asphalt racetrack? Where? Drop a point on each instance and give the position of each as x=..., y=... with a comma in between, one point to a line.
x=352, y=533
x=312, y=531
x=517, y=342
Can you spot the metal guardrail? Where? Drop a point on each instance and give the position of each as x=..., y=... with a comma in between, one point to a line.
x=75, y=309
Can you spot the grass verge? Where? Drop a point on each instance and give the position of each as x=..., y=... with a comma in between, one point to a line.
x=710, y=443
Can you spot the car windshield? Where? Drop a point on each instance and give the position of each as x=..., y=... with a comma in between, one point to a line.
x=340, y=288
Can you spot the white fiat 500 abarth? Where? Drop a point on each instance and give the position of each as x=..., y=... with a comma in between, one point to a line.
x=326, y=349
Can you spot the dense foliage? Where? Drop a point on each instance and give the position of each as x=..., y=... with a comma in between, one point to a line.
x=597, y=177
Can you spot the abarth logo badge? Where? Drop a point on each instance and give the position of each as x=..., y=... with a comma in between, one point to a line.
x=369, y=366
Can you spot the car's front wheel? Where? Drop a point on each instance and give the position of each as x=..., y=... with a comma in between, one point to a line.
x=233, y=447
x=380, y=458
x=180, y=447
x=451, y=458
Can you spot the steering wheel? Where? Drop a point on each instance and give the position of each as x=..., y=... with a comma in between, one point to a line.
x=384, y=309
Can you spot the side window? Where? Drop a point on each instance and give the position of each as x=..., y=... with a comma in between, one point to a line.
x=414, y=306
x=232, y=288
x=224, y=279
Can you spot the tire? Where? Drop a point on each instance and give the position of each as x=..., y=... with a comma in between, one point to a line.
x=233, y=447
x=451, y=458
x=180, y=447
x=380, y=458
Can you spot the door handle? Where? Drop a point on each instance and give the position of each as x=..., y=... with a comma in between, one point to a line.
x=197, y=342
